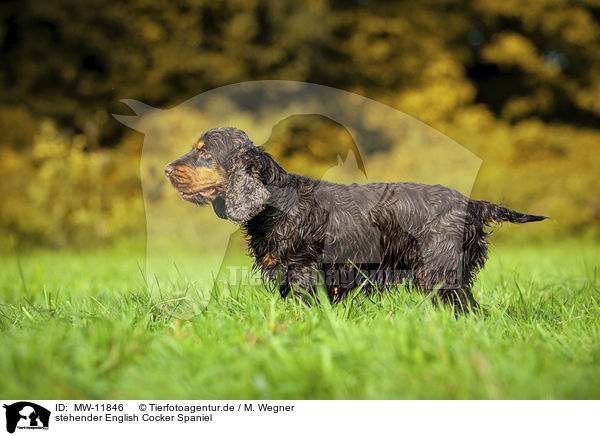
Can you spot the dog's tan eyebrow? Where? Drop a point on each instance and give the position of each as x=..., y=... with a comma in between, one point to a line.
x=199, y=144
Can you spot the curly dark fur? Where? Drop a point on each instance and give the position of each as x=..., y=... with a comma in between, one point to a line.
x=372, y=236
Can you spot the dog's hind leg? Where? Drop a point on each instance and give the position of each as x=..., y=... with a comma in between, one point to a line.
x=443, y=269
x=461, y=299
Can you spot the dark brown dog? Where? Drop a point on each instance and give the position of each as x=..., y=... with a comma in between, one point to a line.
x=371, y=236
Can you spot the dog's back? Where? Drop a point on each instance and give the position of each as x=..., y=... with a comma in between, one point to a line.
x=430, y=235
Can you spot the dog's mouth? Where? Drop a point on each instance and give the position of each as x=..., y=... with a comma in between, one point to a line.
x=204, y=193
x=194, y=185
x=200, y=196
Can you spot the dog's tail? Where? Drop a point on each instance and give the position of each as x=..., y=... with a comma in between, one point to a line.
x=490, y=212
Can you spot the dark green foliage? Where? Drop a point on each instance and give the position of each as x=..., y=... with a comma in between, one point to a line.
x=514, y=82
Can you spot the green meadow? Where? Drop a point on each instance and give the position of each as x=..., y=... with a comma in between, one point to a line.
x=90, y=324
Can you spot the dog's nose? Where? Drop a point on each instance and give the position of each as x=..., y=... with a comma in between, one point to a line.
x=169, y=169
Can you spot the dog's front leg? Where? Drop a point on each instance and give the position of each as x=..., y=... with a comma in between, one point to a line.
x=300, y=280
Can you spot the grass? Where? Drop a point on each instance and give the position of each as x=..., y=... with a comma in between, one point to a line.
x=88, y=325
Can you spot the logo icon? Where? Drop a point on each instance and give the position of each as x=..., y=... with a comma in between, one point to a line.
x=26, y=415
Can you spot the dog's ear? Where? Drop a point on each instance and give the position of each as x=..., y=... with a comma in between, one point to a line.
x=246, y=195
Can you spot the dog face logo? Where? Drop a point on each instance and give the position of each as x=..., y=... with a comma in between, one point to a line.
x=26, y=415
x=180, y=235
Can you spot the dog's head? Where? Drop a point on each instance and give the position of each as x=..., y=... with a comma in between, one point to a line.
x=226, y=169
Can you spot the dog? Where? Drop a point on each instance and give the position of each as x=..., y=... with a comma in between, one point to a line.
x=304, y=232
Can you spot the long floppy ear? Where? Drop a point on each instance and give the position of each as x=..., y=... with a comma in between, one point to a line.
x=246, y=196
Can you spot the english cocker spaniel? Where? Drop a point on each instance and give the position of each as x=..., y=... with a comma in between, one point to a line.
x=303, y=232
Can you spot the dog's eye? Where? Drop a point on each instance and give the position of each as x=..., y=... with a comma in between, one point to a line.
x=204, y=155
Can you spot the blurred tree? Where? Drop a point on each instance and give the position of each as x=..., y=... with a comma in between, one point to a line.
x=516, y=82
x=73, y=61
x=537, y=58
